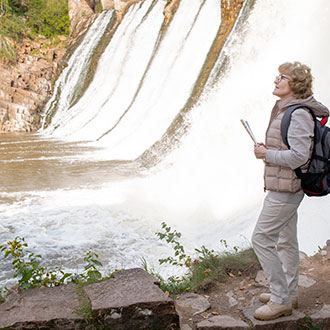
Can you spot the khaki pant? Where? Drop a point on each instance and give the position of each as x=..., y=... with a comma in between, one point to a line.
x=275, y=243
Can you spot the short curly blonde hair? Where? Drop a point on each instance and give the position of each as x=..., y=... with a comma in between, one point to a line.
x=300, y=78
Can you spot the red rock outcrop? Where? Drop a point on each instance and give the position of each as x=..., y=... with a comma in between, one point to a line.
x=26, y=85
x=81, y=16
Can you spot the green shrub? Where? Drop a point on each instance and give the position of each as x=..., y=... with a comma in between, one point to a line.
x=45, y=17
x=31, y=274
x=6, y=49
x=12, y=26
x=206, y=267
x=48, y=18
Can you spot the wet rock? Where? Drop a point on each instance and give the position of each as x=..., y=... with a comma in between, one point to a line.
x=192, y=303
x=282, y=323
x=222, y=322
x=305, y=281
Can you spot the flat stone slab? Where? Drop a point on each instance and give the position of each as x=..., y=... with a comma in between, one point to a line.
x=322, y=318
x=192, y=303
x=43, y=307
x=231, y=300
x=282, y=323
x=132, y=299
x=305, y=281
x=261, y=278
x=222, y=322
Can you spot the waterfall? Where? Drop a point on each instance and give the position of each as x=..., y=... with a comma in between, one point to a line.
x=72, y=77
x=129, y=64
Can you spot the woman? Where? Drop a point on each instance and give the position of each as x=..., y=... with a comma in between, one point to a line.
x=275, y=236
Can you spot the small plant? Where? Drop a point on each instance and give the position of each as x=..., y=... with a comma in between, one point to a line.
x=208, y=265
x=7, y=49
x=3, y=292
x=224, y=243
x=31, y=274
x=180, y=257
x=205, y=253
x=308, y=324
x=91, y=274
x=173, y=285
x=27, y=266
x=99, y=8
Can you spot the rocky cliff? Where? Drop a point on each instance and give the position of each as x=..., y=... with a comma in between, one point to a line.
x=26, y=81
x=26, y=85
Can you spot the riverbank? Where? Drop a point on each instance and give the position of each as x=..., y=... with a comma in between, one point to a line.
x=225, y=302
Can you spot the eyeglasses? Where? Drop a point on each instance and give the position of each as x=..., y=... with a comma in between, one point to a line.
x=281, y=77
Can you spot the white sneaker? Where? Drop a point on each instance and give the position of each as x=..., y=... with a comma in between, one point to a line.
x=272, y=311
x=265, y=297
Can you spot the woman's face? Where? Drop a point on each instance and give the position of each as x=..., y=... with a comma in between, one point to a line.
x=282, y=88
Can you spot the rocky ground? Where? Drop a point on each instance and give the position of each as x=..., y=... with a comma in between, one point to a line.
x=237, y=297
x=133, y=300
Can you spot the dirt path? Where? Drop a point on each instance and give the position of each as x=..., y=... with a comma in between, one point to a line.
x=239, y=292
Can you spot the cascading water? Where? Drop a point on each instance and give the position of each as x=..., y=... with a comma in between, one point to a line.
x=72, y=77
x=123, y=99
x=211, y=187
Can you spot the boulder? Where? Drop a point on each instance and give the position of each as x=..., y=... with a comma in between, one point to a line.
x=79, y=10
x=132, y=300
x=305, y=281
x=82, y=17
x=192, y=303
x=107, y=4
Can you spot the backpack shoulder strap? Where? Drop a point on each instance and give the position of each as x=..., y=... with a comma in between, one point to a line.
x=287, y=119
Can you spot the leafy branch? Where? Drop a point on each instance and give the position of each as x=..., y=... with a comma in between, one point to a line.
x=180, y=257
x=31, y=274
